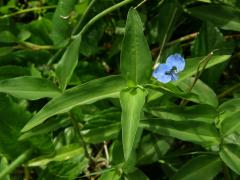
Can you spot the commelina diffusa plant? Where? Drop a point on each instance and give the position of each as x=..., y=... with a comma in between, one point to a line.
x=79, y=98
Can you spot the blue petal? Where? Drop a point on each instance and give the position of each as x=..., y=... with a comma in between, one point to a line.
x=174, y=76
x=176, y=60
x=160, y=73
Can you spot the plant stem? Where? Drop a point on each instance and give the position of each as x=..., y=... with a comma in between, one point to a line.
x=199, y=73
x=140, y=4
x=80, y=23
x=229, y=90
x=27, y=10
x=17, y=162
x=106, y=153
x=99, y=16
x=78, y=133
x=183, y=38
x=55, y=56
x=165, y=38
x=35, y=47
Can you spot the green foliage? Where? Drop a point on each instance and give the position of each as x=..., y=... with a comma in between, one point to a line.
x=136, y=58
x=78, y=100
x=132, y=101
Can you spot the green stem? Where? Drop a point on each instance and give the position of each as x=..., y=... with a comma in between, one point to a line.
x=199, y=73
x=78, y=133
x=165, y=38
x=182, y=39
x=140, y=4
x=55, y=56
x=229, y=90
x=80, y=23
x=17, y=162
x=27, y=10
x=35, y=47
x=99, y=16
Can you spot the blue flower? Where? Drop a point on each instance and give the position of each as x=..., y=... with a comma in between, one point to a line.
x=169, y=71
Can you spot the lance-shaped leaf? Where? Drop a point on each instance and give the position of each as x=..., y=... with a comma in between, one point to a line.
x=29, y=87
x=193, y=63
x=62, y=29
x=229, y=113
x=197, y=132
x=86, y=93
x=135, y=55
x=230, y=154
x=132, y=101
x=201, y=167
x=225, y=17
x=68, y=63
x=13, y=118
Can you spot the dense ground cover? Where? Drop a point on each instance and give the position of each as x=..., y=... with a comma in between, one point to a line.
x=111, y=89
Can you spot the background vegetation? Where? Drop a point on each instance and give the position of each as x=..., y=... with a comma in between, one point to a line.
x=78, y=101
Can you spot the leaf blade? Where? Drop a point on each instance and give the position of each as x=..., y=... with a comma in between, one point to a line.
x=230, y=154
x=83, y=94
x=136, y=58
x=201, y=167
x=193, y=131
x=28, y=87
x=132, y=101
x=68, y=63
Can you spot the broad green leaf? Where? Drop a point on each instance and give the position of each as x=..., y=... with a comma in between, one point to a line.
x=192, y=65
x=193, y=131
x=29, y=87
x=107, y=87
x=69, y=169
x=229, y=116
x=202, y=167
x=230, y=154
x=62, y=28
x=201, y=112
x=137, y=175
x=41, y=30
x=153, y=147
x=62, y=154
x=205, y=95
x=229, y=107
x=90, y=41
x=208, y=39
x=230, y=124
x=132, y=101
x=11, y=71
x=45, y=128
x=5, y=50
x=136, y=65
x=111, y=175
x=23, y=35
x=13, y=118
x=68, y=63
x=7, y=37
x=223, y=16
